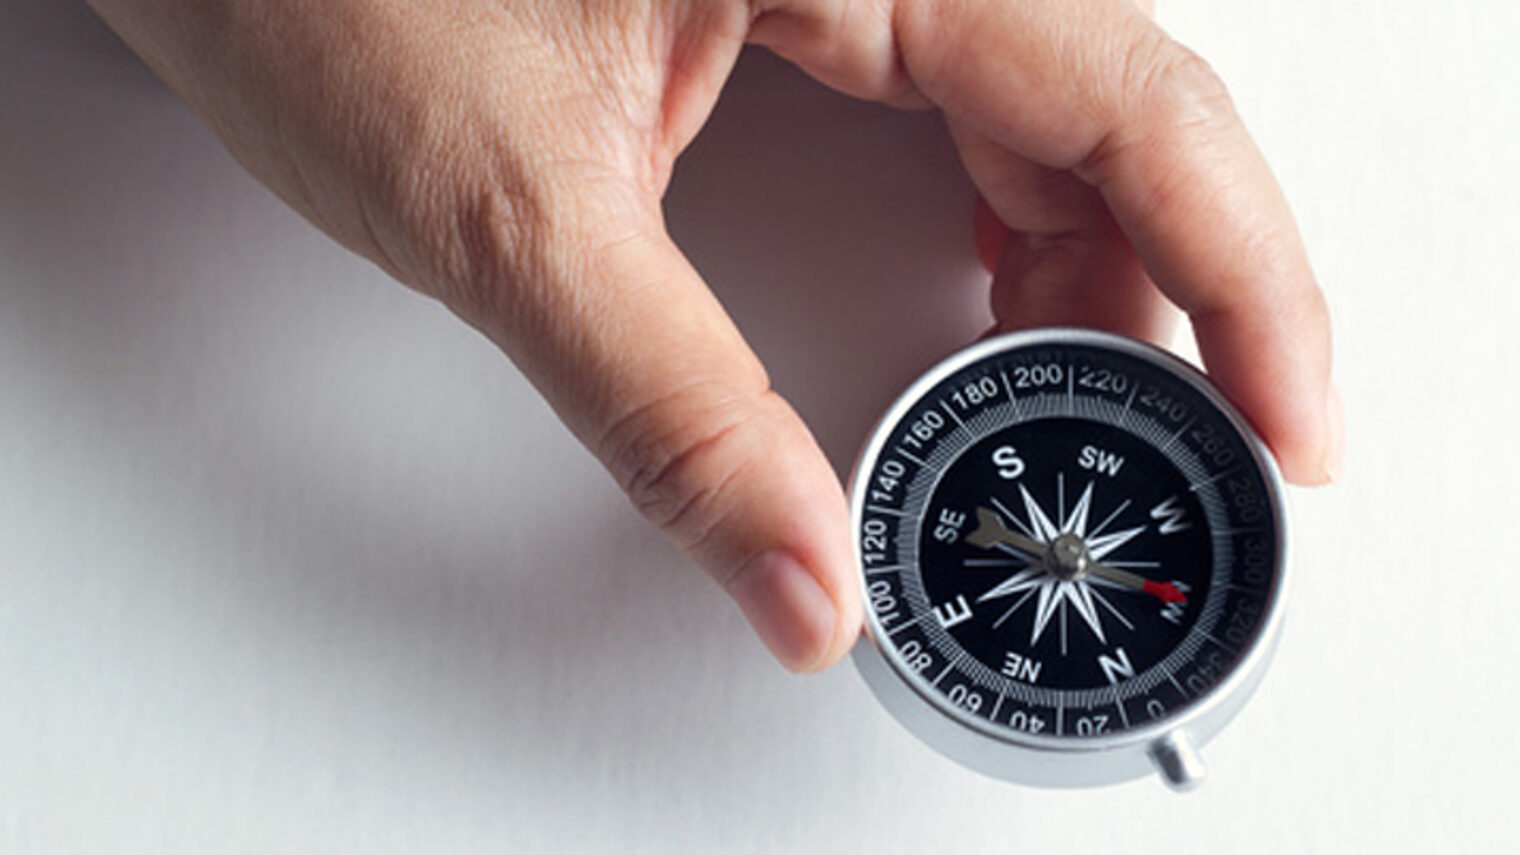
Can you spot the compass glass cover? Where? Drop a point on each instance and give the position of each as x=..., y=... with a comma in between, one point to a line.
x=1065, y=540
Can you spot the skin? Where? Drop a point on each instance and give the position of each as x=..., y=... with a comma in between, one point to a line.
x=508, y=157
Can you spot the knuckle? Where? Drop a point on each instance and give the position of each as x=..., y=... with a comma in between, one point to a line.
x=680, y=458
x=1168, y=81
x=515, y=251
x=1165, y=97
x=498, y=248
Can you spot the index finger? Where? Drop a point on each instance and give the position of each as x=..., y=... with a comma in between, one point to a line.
x=1094, y=87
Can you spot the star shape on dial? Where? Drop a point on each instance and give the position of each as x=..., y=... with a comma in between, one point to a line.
x=1051, y=593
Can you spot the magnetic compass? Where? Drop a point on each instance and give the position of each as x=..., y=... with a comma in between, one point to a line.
x=1071, y=550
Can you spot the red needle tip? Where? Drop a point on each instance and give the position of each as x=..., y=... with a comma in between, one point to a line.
x=1166, y=591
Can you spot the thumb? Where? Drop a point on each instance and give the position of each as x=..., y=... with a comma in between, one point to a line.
x=639, y=359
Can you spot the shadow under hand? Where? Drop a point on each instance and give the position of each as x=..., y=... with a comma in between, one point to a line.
x=838, y=234
x=379, y=526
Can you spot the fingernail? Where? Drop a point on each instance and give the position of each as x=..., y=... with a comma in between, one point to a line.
x=1335, y=436
x=789, y=610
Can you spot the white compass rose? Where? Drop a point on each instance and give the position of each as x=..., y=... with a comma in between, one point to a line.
x=1050, y=591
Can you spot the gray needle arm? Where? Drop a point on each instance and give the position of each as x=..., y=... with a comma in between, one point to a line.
x=1117, y=576
x=991, y=532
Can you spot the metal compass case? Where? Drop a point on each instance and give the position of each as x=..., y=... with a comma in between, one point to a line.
x=1072, y=552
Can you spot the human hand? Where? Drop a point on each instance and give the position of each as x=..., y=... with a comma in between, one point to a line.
x=508, y=158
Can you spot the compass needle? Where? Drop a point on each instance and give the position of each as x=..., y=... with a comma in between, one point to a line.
x=1009, y=631
x=990, y=530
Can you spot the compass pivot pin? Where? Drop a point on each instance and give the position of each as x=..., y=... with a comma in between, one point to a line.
x=1067, y=557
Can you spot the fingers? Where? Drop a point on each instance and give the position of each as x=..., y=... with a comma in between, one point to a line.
x=1199, y=205
x=1088, y=279
x=990, y=234
x=1057, y=257
x=1094, y=88
x=642, y=363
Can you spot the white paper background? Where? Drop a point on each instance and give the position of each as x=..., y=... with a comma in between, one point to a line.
x=290, y=561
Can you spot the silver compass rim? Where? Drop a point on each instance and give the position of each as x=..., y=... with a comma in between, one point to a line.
x=1043, y=759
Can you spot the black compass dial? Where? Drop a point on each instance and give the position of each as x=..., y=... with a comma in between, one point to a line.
x=1065, y=539
x=1117, y=502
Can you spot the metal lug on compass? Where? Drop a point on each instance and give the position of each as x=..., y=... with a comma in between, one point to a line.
x=1179, y=764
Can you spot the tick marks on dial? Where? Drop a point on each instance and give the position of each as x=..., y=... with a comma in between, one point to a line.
x=912, y=459
x=1182, y=431
x=1026, y=570
x=1172, y=678
x=953, y=414
x=1212, y=479
x=1124, y=414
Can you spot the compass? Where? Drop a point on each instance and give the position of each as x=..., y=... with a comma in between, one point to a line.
x=1071, y=549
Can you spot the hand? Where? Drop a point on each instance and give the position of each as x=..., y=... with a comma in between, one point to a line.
x=508, y=158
